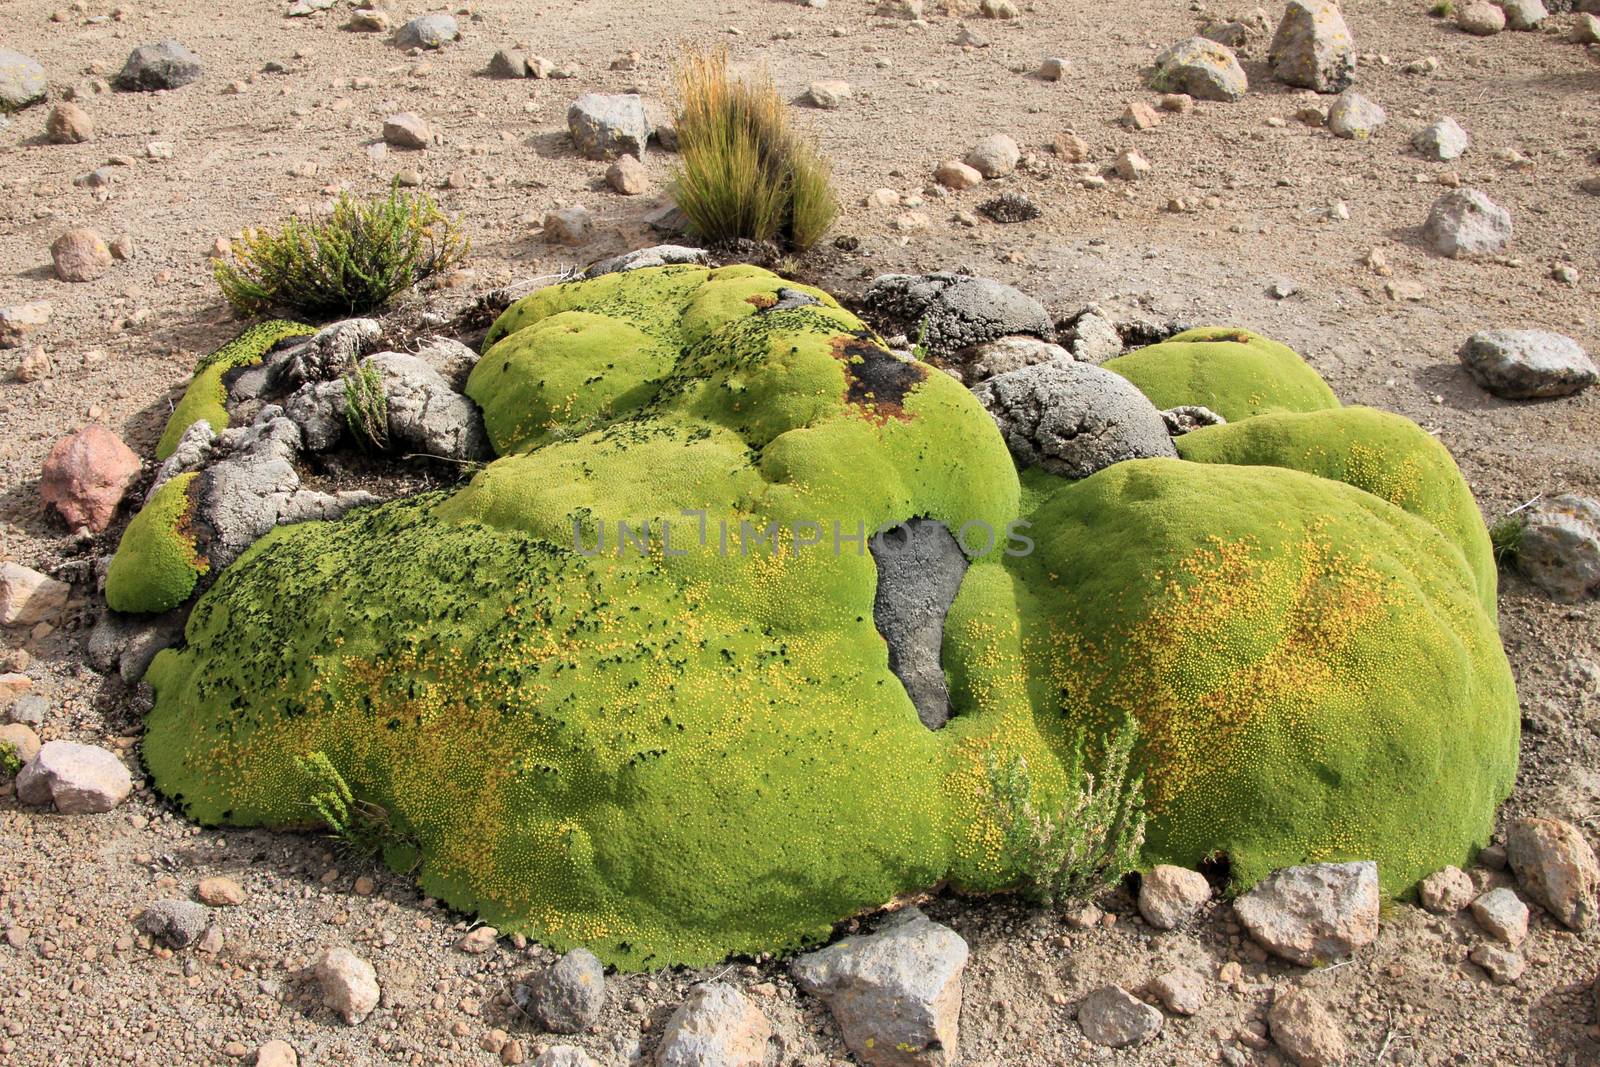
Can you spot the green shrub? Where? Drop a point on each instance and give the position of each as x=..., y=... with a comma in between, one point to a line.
x=366, y=408
x=1085, y=847
x=1506, y=538
x=10, y=761
x=1442, y=9
x=349, y=263
x=745, y=173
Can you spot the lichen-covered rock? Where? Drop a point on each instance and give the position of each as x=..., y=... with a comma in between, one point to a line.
x=605, y=126
x=1313, y=48
x=1202, y=68
x=1527, y=364
x=992, y=358
x=920, y=567
x=1355, y=116
x=654, y=256
x=425, y=415
x=1559, y=550
x=896, y=993
x=949, y=312
x=628, y=743
x=22, y=81
x=1073, y=419
x=566, y=997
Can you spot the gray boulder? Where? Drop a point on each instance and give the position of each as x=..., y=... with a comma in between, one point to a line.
x=992, y=358
x=29, y=709
x=317, y=408
x=330, y=353
x=425, y=414
x=1314, y=914
x=174, y=923
x=604, y=126
x=428, y=31
x=1560, y=547
x=1441, y=142
x=22, y=81
x=253, y=486
x=715, y=1026
x=1524, y=15
x=1354, y=116
x=920, y=567
x=1465, y=222
x=654, y=256
x=566, y=997
x=1093, y=336
x=1527, y=364
x=164, y=65
x=1113, y=1017
x=125, y=644
x=1313, y=48
x=949, y=312
x=896, y=993
x=1202, y=68
x=1073, y=419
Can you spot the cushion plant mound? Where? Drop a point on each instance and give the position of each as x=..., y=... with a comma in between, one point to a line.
x=207, y=394
x=157, y=564
x=1233, y=372
x=675, y=746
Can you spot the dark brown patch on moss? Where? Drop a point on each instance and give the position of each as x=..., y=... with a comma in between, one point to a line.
x=761, y=300
x=876, y=380
x=193, y=533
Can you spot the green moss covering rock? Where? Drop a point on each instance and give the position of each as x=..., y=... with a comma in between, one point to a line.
x=1233, y=372
x=207, y=394
x=675, y=747
x=157, y=564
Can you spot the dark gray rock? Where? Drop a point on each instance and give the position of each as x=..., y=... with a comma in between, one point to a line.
x=949, y=312
x=164, y=65
x=654, y=256
x=174, y=923
x=896, y=993
x=1526, y=364
x=1073, y=419
x=22, y=81
x=604, y=126
x=427, y=31
x=1560, y=547
x=920, y=567
x=566, y=997
x=126, y=644
x=1186, y=418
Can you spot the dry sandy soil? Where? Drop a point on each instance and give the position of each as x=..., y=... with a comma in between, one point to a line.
x=75, y=986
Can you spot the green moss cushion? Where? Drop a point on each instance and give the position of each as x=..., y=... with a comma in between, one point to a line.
x=1233, y=372
x=156, y=565
x=688, y=744
x=206, y=397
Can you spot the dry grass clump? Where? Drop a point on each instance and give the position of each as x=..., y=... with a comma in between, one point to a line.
x=745, y=174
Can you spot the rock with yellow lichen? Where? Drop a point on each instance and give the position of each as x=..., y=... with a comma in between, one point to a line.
x=682, y=738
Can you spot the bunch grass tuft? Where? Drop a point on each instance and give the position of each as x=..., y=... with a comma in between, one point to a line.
x=349, y=263
x=746, y=175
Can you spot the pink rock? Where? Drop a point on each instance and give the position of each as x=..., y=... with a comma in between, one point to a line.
x=81, y=779
x=86, y=476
